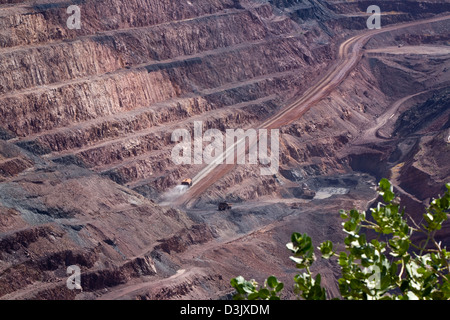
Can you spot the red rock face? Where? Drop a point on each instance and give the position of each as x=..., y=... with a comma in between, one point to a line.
x=86, y=118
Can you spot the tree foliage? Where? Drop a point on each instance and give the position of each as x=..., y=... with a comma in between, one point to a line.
x=387, y=267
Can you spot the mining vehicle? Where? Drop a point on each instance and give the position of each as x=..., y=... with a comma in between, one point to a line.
x=224, y=206
x=187, y=182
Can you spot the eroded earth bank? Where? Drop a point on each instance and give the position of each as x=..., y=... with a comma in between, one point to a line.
x=86, y=118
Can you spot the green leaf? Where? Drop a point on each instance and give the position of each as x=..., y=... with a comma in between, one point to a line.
x=405, y=285
x=385, y=185
x=350, y=226
x=386, y=190
x=264, y=293
x=355, y=284
x=326, y=249
x=272, y=282
x=385, y=282
x=253, y=296
x=427, y=291
x=296, y=238
x=248, y=288
x=279, y=287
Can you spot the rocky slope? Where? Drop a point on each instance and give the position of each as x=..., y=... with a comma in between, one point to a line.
x=86, y=118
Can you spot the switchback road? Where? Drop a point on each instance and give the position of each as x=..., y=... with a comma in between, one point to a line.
x=350, y=53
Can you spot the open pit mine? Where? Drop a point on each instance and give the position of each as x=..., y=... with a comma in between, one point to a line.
x=92, y=93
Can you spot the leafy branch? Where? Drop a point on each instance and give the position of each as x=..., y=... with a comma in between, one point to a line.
x=394, y=269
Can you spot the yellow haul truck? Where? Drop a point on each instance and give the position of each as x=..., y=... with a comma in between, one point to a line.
x=187, y=182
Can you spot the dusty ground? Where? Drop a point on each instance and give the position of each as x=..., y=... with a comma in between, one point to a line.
x=86, y=121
